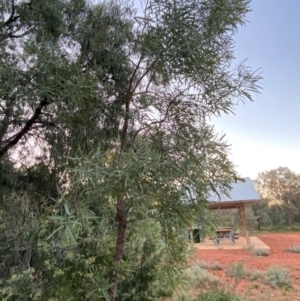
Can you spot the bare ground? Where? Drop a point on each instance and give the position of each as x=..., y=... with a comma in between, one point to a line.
x=259, y=290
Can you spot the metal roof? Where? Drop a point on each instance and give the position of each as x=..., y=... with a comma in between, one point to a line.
x=241, y=192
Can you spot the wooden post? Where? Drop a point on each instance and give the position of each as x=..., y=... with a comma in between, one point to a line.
x=241, y=220
x=244, y=223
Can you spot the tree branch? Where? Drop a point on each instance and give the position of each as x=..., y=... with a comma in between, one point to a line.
x=10, y=35
x=161, y=120
x=11, y=18
x=25, y=129
x=125, y=126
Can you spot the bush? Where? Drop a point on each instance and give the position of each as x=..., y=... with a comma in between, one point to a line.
x=216, y=266
x=198, y=276
x=294, y=249
x=217, y=296
x=277, y=276
x=260, y=252
x=255, y=275
x=203, y=264
x=237, y=271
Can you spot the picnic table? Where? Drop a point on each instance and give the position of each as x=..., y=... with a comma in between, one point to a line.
x=224, y=233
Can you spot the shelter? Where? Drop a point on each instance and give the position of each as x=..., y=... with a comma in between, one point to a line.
x=241, y=194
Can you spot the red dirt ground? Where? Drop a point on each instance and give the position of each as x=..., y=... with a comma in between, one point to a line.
x=278, y=244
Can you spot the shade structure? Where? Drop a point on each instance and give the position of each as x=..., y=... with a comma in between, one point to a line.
x=241, y=194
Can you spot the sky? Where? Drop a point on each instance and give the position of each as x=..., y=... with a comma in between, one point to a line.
x=265, y=134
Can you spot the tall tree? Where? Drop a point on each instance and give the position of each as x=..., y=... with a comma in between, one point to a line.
x=119, y=101
x=171, y=72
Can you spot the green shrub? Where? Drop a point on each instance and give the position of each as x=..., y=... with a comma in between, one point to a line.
x=260, y=252
x=255, y=275
x=294, y=249
x=198, y=276
x=277, y=276
x=217, y=296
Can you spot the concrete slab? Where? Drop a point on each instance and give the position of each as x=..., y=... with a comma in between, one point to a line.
x=226, y=244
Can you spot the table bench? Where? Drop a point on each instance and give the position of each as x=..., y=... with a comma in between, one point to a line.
x=224, y=233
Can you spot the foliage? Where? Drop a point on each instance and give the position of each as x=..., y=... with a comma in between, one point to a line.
x=203, y=265
x=231, y=217
x=293, y=249
x=237, y=271
x=255, y=275
x=151, y=276
x=217, y=296
x=260, y=252
x=198, y=276
x=104, y=133
x=213, y=265
x=277, y=276
x=207, y=221
x=216, y=266
x=281, y=228
x=280, y=189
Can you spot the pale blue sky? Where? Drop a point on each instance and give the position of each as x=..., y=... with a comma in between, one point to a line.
x=266, y=134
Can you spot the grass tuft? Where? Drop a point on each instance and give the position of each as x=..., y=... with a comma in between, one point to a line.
x=237, y=271
x=260, y=252
x=216, y=266
x=203, y=265
x=217, y=296
x=293, y=249
x=255, y=275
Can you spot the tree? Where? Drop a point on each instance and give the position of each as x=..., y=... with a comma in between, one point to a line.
x=281, y=189
x=176, y=77
x=123, y=125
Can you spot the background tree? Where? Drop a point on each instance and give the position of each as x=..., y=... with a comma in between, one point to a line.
x=280, y=189
x=111, y=107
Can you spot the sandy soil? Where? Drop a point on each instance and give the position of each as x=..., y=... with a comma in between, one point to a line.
x=278, y=244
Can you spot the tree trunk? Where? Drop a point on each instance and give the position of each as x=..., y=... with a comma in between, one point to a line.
x=122, y=225
x=258, y=223
x=122, y=222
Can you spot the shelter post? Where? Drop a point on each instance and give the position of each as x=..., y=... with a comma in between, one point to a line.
x=243, y=222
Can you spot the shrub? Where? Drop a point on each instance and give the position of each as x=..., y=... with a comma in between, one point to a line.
x=237, y=271
x=217, y=296
x=203, y=264
x=260, y=252
x=216, y=266
x=255, y=275
x=277, y=276
x=294, y=249
x=198, y=276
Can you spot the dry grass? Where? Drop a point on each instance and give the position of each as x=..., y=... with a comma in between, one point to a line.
x=293, y=249
x=260, y=252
